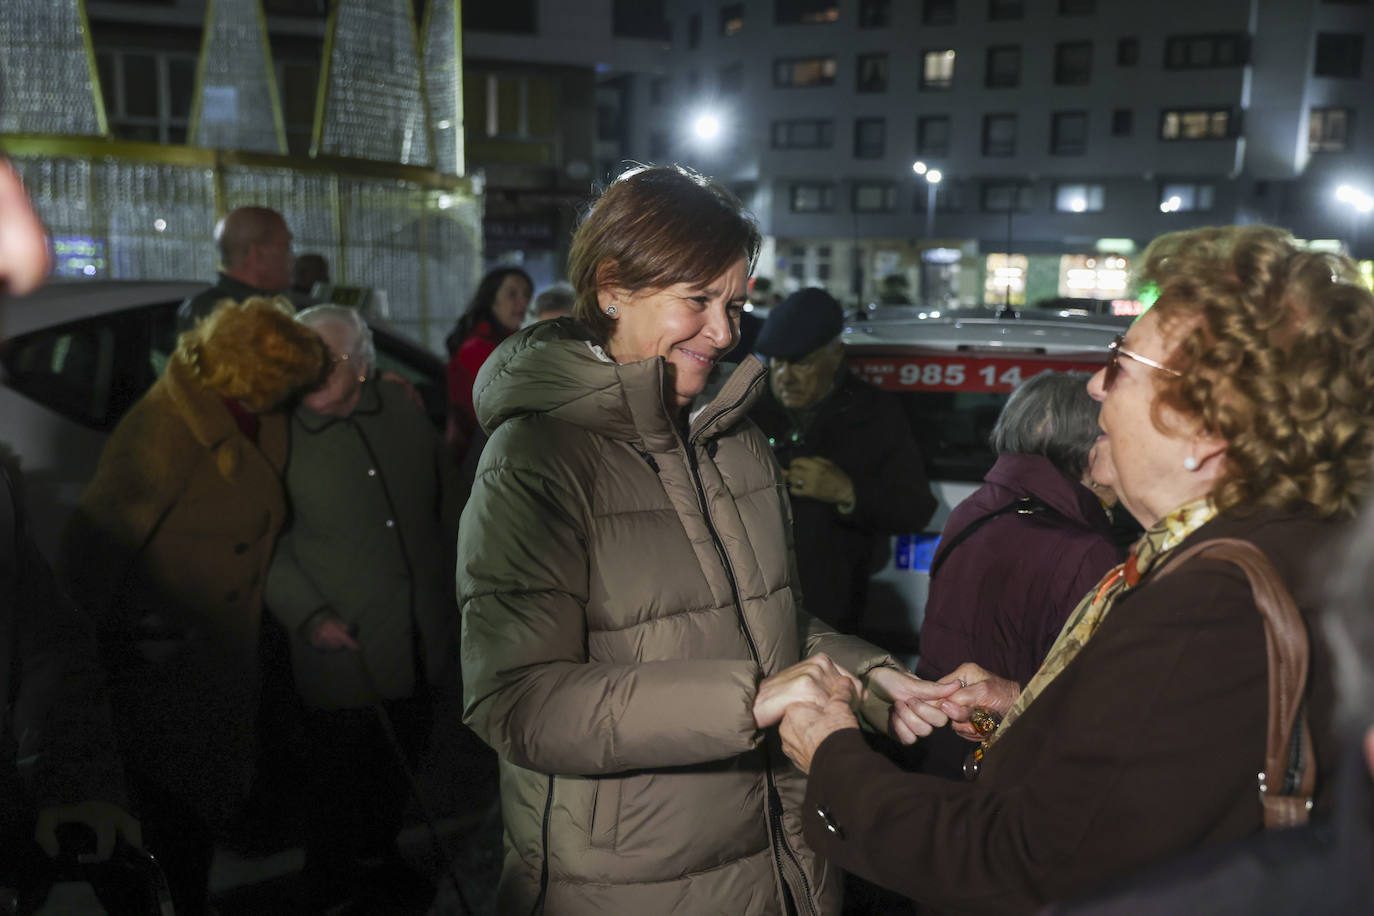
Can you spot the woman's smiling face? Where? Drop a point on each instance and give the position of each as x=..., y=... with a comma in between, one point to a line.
x=690, y=326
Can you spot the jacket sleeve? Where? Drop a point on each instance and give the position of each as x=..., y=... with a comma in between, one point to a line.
x=1158, y=724
x=290, y=592
x=60, y=712
x=892, y=495
x=529, y=688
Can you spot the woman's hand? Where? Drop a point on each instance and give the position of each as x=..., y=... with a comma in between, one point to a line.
x=977, y=688
x=915, y=701
x=332, y=634
x=815, y=680
x=805, y=726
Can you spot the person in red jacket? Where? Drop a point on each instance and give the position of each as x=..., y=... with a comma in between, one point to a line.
x=495, y=310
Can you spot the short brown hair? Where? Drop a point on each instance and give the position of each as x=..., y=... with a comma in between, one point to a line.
x=652, y=228
x=254, y=352
x=1277, y=359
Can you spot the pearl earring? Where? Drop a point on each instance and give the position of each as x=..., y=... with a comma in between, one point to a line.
x=1190, y=463
x=611, y=310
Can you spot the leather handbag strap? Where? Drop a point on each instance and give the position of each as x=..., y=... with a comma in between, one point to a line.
x=1289, y=777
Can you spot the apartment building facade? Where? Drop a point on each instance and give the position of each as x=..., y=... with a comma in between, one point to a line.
x=1066, y=133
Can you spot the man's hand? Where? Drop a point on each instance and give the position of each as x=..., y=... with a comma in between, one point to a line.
x=106, y=820
x=978, y=688
x=819, y=478
x=805, y=726
x=332, y=634
x=916, y=702
x=813, y=680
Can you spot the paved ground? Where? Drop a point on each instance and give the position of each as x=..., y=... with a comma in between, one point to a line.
x=257, y=874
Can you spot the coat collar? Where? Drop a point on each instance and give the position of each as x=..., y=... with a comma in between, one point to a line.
x=553, y=367
x=369, y=404
x=213, y=426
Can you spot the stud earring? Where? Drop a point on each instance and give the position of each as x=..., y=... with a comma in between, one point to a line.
x=611, y=310
x=1190, y=463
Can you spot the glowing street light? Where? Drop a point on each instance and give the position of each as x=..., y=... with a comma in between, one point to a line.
x=918, y=167
x=1355, y=197
x=1360, y=203
x=1171, y=205
x=933, y=176
x=706, y=126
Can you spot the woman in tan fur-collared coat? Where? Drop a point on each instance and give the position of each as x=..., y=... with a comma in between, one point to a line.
x=169, y=550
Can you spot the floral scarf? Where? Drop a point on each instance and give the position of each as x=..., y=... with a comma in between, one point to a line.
x=1163, y=537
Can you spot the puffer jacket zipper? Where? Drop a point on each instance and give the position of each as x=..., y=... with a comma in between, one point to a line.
x=544, y=858
x=778, y=838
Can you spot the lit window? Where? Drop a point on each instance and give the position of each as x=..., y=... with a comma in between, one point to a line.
x=731, y=19
x=1006, y=279
x=813, y=197
x=804, y=12
x=1328, y=129
x=804, y=71
x=1093, y=276
x=937, y=69
x=1078, y=198
x=1196, y=124
x=1186, y=197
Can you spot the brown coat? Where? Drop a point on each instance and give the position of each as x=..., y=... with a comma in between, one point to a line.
x=624, y=587
x=1147, y=745
x=169, y=551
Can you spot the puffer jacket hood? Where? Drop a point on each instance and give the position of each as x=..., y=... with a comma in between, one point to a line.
x=624, y=587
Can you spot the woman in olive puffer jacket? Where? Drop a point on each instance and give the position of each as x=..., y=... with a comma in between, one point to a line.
x=630, y=614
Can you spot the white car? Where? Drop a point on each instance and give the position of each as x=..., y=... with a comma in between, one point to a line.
x=953, y=372
x=77, y=355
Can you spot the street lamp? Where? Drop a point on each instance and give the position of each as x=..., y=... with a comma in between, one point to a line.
x=1360, y=203
x=706, y=126
x=932, y=177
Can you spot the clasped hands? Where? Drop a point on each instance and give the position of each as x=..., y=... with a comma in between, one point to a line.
x=815, y=698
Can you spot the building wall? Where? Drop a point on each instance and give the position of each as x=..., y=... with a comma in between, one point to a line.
x=1261, y=171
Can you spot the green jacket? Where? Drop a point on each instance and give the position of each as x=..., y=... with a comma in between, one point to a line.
x=367, y=543
x=623, y=591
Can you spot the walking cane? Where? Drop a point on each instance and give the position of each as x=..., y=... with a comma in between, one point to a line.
x=437, y=844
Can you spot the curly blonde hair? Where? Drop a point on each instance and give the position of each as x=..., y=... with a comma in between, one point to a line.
x=1277, y=359
x=254, y=352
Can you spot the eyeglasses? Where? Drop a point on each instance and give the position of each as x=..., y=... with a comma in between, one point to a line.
x=1115, y=351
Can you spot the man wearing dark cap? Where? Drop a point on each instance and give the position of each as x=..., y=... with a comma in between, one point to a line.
x=852, y=466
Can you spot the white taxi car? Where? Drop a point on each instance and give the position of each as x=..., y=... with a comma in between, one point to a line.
x=953, y=372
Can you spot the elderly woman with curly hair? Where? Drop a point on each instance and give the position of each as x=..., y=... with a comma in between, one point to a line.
x=169, y=551
x=1239, y=406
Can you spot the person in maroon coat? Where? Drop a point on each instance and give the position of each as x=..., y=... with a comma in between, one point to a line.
x=1241, y=405
x=1016, y=556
